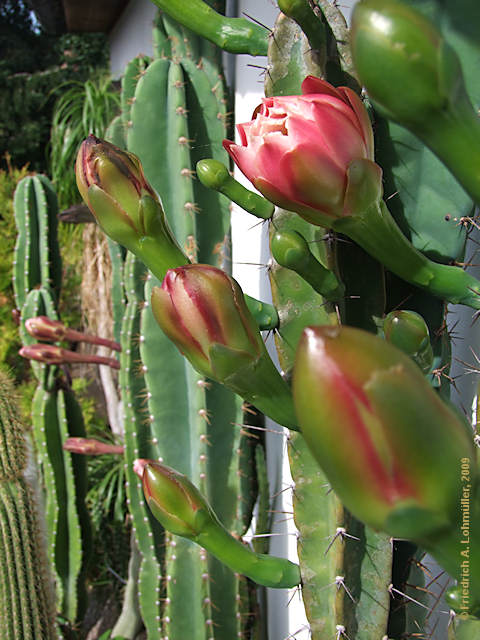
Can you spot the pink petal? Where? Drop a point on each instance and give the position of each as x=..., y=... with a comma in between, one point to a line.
x=312, y=84
x=340, y=133
x=318, y=183
x=363, y=120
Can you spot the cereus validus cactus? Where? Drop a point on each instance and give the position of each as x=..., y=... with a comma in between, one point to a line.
x=382, y=453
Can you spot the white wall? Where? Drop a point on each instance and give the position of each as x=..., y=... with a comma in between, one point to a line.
x=132, y=35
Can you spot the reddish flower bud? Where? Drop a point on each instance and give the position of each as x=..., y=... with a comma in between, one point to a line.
x=51, y=354
x=389, y=446
x=298, y=152
x=44, y=328
x=203, y=311
x=91, y=447
x=200, y=307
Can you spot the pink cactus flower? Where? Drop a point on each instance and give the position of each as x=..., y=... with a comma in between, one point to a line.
x=297, y=150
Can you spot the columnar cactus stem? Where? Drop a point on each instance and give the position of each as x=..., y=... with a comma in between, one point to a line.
x=26, y=596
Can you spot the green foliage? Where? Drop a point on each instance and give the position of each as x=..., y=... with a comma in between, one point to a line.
x=82, y=108
x=33, y=67
x=9, y=341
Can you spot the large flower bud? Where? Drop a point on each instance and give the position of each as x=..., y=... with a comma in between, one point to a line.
x=112, y=184
x=203, y=311
x=201, y=308
x=389, y=446
x=300, y=152
x=395, y=47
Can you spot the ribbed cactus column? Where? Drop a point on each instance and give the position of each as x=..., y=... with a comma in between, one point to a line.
x=173, y=111
x=55, y=412
x=27, y=607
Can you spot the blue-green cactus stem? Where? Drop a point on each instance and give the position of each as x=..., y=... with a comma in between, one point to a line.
x=37, y=257
x=291, y=250
x=236, y=35
x=215, y=175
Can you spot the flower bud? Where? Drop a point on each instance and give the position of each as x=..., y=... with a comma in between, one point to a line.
x=113, y=179
x=44, y=328
x=389, y=446
x=414, y=57
x=91, y=447
x=203, y=311
x=112, y=184
x=200, y=307
x=408, y=331
x=53, y=355
x=174, y=501
x=297, y=151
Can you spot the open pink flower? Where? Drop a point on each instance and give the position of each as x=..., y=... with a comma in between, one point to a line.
x=297, y=149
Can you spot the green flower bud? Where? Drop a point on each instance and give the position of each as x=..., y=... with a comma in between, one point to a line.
x=410, y=72
x=112, y=184
x=174, y=501
x=408, y=331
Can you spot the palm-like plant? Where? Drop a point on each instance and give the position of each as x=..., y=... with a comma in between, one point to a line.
x=83, y=108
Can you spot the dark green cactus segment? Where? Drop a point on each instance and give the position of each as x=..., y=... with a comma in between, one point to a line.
x=285, y=73
x=236, y=35
x=37, y=256
x=302, y=13
x=215, y=175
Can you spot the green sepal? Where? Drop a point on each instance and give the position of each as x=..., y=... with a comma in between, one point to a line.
x=113, y=220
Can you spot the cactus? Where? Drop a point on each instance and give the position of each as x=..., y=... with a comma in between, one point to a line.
x=352, y=574
x=55, y=412
x=169, y=411
x=26, y=597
